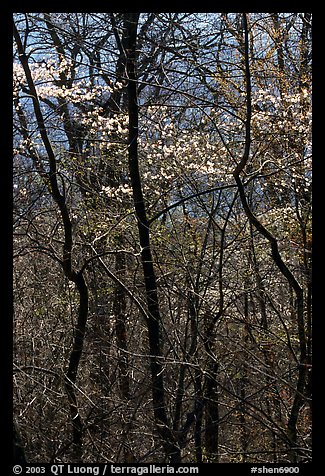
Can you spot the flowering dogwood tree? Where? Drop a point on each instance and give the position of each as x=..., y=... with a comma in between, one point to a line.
x=162, y=178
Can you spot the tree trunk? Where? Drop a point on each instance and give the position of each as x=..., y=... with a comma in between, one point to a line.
x=66, y=262
x=283, y=268
x=74, y=360
x=163, y=426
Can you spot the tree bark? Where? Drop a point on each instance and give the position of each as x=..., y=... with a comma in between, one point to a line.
x=153, y=322
x=76, y=277
x=302, y=372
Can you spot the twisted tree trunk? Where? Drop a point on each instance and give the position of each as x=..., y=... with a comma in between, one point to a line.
x=299, y=397
x=76, y=277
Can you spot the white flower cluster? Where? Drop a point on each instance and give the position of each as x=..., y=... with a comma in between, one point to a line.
x=120, y=193
x=49, y=70
x=170, y=156
x=80, y=92
x=46, y=74
x=286, y=114
x=18, y=78
x=102, y=126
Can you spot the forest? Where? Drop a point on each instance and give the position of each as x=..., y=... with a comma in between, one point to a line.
x=162, y=239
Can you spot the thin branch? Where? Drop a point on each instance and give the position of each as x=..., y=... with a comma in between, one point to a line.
x=190, y=197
